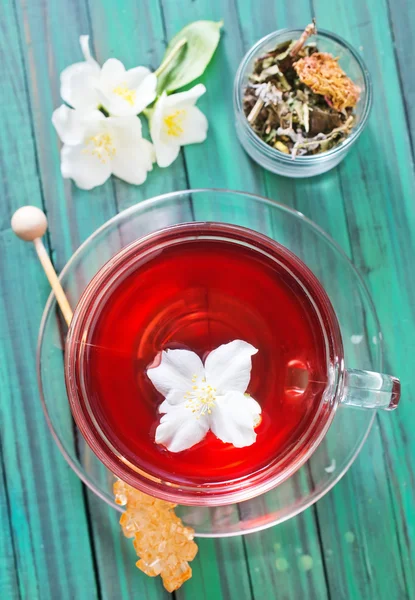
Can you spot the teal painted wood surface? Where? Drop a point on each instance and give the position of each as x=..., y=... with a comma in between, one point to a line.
x=58, y=541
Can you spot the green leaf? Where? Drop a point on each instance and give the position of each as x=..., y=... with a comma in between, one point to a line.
x=188, y=55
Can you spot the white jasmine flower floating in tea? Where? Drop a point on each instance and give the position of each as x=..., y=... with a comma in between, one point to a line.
x=92, y=152
x=201, y=397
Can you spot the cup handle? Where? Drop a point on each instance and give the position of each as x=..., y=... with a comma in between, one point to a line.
x=367, y=389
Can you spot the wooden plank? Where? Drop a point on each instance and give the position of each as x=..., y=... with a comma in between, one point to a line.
x=321, y=199
x=325, y=209
x=380, y=215
x=286, y=561
x=358, y=531
x=135, y=35
x=74, y=215
x=143, y=26
x=219, y=571
x=402, y=23
x=208, y=166
x=221, y=161
x=49, y=528
x=9, y=585
x=290, y=555
x=50, y=532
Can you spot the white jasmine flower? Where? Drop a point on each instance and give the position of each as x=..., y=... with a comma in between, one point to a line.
x=85, y=85
x=126, y=93
x=79, y=82
x=201, y=397
x=176, y=121
x=94, y=147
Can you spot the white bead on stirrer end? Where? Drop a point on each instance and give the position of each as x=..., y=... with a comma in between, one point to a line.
x=30, y=223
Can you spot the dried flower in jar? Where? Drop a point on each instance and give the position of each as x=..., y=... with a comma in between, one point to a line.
x=299, y=100
x=322, y=74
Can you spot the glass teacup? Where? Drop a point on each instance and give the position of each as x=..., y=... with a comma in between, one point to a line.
x=302, y=385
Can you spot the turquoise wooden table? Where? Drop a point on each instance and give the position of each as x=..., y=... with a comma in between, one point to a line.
x=58, y=541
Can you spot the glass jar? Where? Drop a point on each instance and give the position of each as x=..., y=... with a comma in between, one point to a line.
x=302, y=166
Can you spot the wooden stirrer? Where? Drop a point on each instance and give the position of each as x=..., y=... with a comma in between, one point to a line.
x=30, y=223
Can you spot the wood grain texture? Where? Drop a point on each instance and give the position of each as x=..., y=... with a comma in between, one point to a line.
x=9, y=584
x=207, y=166
x=378, y=198
x=323, y=200
x=402, y=23
x=135, y=35
x=47, y=520
x=73, y=215
x=323, y=203
x=359, y=541
x=220, y=161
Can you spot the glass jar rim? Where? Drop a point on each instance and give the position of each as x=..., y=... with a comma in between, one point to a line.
x=121, y=466
x=263, y=146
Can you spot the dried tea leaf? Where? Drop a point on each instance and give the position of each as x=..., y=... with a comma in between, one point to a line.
x=323, y=121
x=268, y=72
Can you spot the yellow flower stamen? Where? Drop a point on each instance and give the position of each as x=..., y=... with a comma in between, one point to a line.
x=125, y=93
x=201, y=399
x=101, y=146
x=174, y=123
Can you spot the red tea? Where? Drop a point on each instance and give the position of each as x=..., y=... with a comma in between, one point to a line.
x=198, y=293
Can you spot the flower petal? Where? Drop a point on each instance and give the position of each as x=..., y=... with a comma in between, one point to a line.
x=132, y=163
x=174, y=374
x=84, y=41
x=85, y=169
x=72, y=125
x=112, y=72
x=195, y=126
x=166, y=151
x=126, y=93
x=228, y=368
x=233, y=418
x=135, y=77
x=166, y=154
x=185, y=99
x=78, y=85
x=146, y=93
x=126, y=130
x=156, y=117
x=179, y=429
x=134, y=156
x=164, y=407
